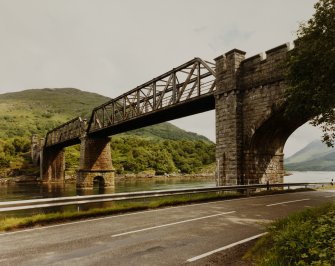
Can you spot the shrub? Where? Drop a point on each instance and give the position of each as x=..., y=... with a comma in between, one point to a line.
x=305, y=238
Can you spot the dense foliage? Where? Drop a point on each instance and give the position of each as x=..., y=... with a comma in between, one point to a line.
x=37, y=111
x=306, y=238
x=312, y=71
x=136, y=154
x=14, y=155
x=161, y=148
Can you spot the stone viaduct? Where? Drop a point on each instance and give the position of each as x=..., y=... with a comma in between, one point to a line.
x=248, y=96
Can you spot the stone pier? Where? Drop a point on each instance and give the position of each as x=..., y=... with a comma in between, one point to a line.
x=53, y=164
x=95, y=163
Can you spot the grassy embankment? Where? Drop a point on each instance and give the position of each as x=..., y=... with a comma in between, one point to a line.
x=304, y=238
x=12, y=223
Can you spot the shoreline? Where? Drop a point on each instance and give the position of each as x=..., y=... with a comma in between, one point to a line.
x=118, y=178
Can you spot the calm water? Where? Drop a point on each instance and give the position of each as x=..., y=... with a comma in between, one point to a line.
x=34, y=191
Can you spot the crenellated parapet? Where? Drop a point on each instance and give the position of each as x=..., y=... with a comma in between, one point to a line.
x=263, y=69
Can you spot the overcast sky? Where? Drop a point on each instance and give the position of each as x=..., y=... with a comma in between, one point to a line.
x=112, y=46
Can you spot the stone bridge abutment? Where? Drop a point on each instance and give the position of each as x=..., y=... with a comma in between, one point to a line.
x=251, y=125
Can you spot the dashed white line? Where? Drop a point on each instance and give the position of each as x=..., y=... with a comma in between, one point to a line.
x=284, y=202
x=225, y=247
x=170, y=224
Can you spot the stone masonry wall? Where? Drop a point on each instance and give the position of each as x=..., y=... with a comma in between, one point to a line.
x=95, y=161
x=229, y=127
x=53, y=165
x=251, y=128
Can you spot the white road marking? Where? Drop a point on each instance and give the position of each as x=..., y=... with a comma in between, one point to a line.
x=284, y=202
x=330, y=196
x=225, y=247
x=135, y=213
x=170, y=224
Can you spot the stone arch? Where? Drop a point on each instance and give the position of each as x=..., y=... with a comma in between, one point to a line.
x=263, y=150
x=99, y=181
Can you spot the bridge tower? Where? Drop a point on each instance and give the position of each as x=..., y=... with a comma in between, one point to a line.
x=251, y=128
x=95, y=162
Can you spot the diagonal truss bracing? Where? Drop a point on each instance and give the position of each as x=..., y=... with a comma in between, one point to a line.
x=183, y=84
x=193, y=79
x=66, y=132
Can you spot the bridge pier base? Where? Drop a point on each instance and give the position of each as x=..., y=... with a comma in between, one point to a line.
x=95, y=163
x=52, y=165
x=263, y=168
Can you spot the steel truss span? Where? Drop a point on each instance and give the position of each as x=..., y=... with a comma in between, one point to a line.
x=185, y=90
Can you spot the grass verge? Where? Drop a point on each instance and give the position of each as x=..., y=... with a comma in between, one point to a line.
x=12, y=223
x=304, y=238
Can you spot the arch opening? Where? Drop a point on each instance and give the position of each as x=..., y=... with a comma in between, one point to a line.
x=264, y=149
x=98, y=181
x=307, y=159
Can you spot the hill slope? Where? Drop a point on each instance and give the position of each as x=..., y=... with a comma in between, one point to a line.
x=163, y=147
x=316, y=156
x=39, y=110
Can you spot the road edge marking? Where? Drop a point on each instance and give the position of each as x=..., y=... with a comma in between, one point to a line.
x=170, y=224
x=284, y=202
x=133, y=213
x=226, y=247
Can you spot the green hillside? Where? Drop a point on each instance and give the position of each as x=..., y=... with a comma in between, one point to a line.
x=163, y=148
x=39, y=110
x=316, y=156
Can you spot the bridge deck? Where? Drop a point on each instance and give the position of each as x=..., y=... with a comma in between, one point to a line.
x=183, y=91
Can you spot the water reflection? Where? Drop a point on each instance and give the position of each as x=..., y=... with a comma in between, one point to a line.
x=21, y=191
x=34, y=191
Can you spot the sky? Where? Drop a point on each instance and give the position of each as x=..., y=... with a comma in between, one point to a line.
x=112, y=46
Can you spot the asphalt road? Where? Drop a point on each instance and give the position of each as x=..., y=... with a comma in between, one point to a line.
x=168, y=236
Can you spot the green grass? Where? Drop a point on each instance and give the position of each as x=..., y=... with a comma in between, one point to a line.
x=12, y=223
x=304, y=238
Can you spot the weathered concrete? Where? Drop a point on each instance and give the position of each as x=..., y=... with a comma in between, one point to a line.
x=95, y=163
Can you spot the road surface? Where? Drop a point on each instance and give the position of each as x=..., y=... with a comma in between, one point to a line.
x=169, y=236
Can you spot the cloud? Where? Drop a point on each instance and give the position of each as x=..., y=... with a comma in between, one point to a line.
x=110, y=47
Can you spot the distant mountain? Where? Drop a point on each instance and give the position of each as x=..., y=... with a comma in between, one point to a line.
x=316, y=156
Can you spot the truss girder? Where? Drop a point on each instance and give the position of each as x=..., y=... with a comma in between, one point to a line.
x=68, y=131
x=186, y=82
x=193, y=79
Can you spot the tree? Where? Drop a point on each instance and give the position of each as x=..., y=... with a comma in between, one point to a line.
x=311, y=71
